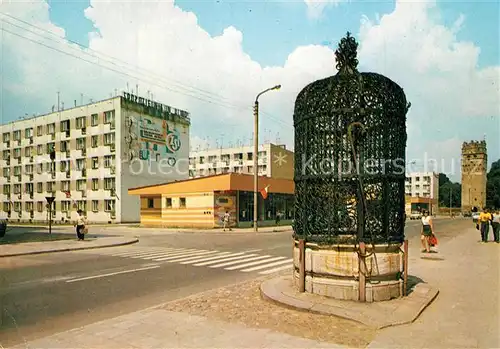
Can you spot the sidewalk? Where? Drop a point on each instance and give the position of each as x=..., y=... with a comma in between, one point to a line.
x=466, y=312
x=29, y=248
x=159, y=328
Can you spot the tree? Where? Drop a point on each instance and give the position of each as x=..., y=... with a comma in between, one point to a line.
x=443, y=179
x=493, y=186
x=456, y=194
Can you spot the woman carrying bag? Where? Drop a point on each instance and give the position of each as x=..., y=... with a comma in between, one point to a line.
x=81, y=228
x=427, y=236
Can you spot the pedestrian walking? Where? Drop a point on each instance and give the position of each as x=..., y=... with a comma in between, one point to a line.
x=226, y=221
x=495, y=225
x=81, y=223
x=278, y=218
x=483, y=223
x=427, y=231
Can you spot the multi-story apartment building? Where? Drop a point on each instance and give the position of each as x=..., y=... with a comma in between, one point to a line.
x=87, y=157
x=422, y=189
x=273, y=161
x=422, y=184
x=474, y=167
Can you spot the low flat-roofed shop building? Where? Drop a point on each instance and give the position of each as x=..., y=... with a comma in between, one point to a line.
x=202, y=202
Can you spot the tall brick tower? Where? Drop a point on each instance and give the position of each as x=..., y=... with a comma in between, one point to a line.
x=474, y=165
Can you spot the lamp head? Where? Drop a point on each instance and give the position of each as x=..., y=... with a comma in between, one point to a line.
x=277, y=87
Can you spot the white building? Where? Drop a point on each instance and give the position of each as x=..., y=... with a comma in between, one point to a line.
x=101, y=150
x=422, y=184
x=273, y=161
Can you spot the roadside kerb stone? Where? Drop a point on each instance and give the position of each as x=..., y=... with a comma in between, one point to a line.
x=32, y=248
x=377, y=315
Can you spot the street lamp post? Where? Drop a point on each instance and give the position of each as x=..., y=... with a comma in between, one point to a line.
x=255, y=152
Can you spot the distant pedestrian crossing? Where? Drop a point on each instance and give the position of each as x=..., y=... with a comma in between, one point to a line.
x=244, y=261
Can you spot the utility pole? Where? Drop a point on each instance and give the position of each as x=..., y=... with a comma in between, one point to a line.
x=58, y=106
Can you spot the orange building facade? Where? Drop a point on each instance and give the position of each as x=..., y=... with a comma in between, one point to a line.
x=202, y=202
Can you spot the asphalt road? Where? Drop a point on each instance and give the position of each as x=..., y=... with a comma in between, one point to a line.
x=44, y=294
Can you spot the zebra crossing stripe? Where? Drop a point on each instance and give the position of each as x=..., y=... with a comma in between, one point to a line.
x=200, y=252
x=254, y=263
x=259, y=267
x=129, y=253
x=238, y=261
x=150, y=253
x=184, y=259
x=225, y=260
x=275, y=270
x=161, y=254
x=223, y=255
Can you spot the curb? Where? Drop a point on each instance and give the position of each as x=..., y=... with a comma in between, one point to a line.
x=128, y=242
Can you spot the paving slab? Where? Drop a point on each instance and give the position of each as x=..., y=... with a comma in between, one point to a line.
x=467, y=312
x=31, y=248
x=377, y=314
x=160, y=328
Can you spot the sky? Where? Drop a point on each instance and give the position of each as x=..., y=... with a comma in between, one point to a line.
x=212, y=58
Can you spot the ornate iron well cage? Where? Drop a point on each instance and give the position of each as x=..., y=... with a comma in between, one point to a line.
x=350, y=143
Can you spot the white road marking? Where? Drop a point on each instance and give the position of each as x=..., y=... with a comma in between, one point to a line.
x=212, y=258
x=193, y=257
x=163, y=254
x=201, y=252
x=148, y=253
x=238, y=261
x=254, y=263
x=275, y=270
x=111, y=274
x=242, y=255
x=256, y=250
x=259, y=267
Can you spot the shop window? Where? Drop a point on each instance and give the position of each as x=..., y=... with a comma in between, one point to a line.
x=182, y=202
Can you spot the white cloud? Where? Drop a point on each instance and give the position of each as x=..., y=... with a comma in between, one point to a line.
x=315, y=8
x=185, y=64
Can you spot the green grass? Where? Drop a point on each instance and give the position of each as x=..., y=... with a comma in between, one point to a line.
x=34, y=237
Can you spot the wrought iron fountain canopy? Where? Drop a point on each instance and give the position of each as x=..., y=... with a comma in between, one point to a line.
x=350, y=143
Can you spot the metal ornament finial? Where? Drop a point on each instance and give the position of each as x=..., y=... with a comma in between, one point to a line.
x=346, y=55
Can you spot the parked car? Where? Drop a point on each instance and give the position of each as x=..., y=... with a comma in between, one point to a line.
x=3, y=228
x=415, y=215
x=475, y=217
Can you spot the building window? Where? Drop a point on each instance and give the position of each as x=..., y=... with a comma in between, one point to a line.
x=109, y=205
x=95, y=184
x=50, y=147
x=17, y=135
x=182, y=202
x=65, y=206
x=95, y=163
x=80, y=143
x=27, y=152
x=109, y=160
x=80, y=122
x=29, y=206
x=39, y=149
x=17, y=170
x=6, y=171
x=95, y=141
x=151, y=203
x=80, y=184
x=6, y=207
x=169, y=202
x=28, y=188
x=17, y=152
x=28, y=132
x=39, y=206
x=109, y=183
x=80, y=164
x=6, y=137
x=39, y=168
x=39, y=130
x=51, y=128
x=6, y=154
x=65, y=186
x=109, y=138
x=17, y=188
x=17, y=206
x=6, y=189
x=50, y=186
x=64, y=166
x=65, y=125
x=81, y=205
x=109, y=116
x=95, y=205
x=39, y=187
x=64, y=146
x=94, y=119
